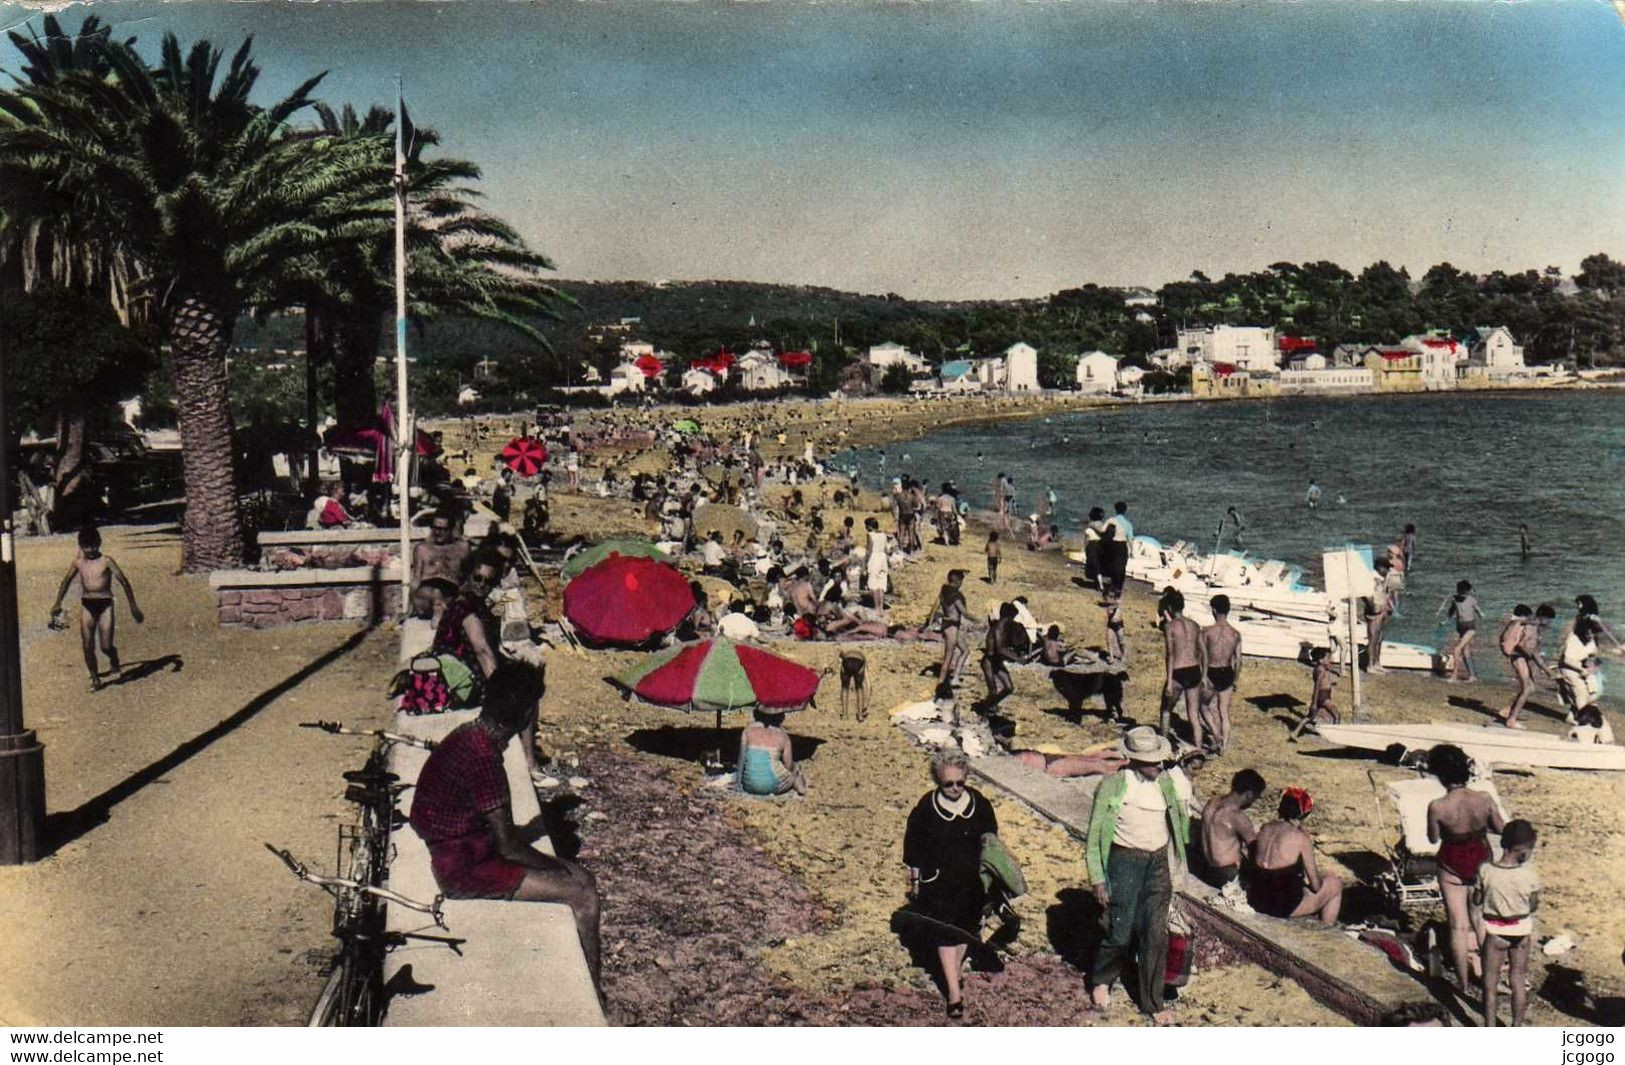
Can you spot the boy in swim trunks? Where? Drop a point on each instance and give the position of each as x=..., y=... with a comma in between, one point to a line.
x=1323, y=681
x=96, y=573
x=1183, y=663
x=1221, y=667
x=1520, y=643
x=854, y=679
x=1509, y=892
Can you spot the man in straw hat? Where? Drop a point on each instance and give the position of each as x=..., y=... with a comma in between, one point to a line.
x=1138, y=815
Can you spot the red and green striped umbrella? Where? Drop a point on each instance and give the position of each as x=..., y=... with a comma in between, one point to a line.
x=718, y=674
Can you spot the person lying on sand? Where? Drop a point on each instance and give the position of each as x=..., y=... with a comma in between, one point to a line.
x=1083, y=764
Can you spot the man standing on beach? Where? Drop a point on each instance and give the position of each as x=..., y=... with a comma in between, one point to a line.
x=1221, y=668
x=1138, y=815
x=1520, y=643
x=1182, y=660
x=1378, y=607
x=1125, y=528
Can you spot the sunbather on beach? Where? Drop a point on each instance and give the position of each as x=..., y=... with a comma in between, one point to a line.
x=1227, y=831
x=1460, y=822
x=1085, y=764
x=767, y=764
x=1284, y=881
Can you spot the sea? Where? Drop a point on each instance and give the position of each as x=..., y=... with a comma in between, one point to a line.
x=1465, y=468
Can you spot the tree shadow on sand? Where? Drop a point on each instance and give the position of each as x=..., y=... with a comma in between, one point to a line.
x=64, y=827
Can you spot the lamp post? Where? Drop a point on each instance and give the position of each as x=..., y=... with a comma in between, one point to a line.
x=22, y=759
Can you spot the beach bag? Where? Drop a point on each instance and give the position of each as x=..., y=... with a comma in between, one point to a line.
x=1176, y=971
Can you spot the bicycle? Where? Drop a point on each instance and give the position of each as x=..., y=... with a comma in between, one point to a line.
x=354, y=994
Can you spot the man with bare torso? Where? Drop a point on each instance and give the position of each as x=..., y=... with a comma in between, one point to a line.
x=1227, y=831
x=1183, y=663
x=96, y=573
x=443, y=555
x=1221, y=668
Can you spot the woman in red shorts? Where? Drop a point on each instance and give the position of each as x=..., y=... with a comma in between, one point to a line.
x=1459, y=822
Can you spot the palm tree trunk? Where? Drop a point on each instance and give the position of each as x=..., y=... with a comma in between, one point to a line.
x=212, y=533
x=355, y=349
x=68, y=472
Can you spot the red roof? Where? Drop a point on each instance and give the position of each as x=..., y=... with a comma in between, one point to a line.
x=1298, y=344
x=1395, y=355
x=1451, y=344
x=1223, y=369
x=651, y=366
x=796, y=358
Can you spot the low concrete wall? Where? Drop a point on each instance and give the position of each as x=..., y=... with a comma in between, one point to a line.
x=336, y=537
x=266, y=599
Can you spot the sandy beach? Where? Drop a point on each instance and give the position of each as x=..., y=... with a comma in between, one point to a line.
x=784, y=919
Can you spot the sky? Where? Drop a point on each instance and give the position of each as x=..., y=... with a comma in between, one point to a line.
x=949, y=149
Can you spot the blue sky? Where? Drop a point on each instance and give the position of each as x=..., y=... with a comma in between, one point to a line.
x=955, y=150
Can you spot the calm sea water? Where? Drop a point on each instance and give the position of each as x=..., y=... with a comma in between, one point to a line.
x=1465, y=469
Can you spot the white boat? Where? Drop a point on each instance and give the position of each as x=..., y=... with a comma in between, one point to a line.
x=1488, y=743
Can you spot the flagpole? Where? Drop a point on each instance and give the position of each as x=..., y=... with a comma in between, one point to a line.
x=405, y=431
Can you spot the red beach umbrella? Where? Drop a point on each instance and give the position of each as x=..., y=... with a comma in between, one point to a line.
x=718, y=674
x=626, y=600
x=524, y=455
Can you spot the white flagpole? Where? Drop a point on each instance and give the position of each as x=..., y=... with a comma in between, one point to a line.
x=405, y=431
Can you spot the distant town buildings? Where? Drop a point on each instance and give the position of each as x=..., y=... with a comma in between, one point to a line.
x=1247, y=347
x=1097, y=372
x=883, y=357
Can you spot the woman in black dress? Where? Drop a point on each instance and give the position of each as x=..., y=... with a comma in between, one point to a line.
x=943, y=851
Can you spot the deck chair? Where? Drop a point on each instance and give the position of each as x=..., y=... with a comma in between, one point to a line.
x=1411, y=877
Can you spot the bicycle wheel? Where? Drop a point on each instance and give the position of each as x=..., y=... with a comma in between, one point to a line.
x=327, y=1010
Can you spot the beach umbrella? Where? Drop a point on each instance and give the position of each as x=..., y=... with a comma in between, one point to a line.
x=626, y=600
x=720, y=675
x=630, y=547
x=686, y=425
x=524, y=455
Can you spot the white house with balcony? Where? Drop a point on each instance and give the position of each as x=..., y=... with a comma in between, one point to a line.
x=1246, y=347
x=1020, y=368
x=1327, y=380
x=883, y=357
x=1097, y=372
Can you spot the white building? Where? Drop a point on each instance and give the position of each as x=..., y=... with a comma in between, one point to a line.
x=1097, y=372
x=884, y=356
x=627, y=377
x=1328, y=379
x=632, y=350
x=1442, y=358
x=1496, y=351
x=959, y=375
x=1247, y=347
x=759, y=371
x=698, y=382
x=1020, y=368
x=467, y=396
x=1139, y=297
x=1130, y=378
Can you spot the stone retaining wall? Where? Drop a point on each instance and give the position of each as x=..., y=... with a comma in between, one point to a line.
x=262, y=600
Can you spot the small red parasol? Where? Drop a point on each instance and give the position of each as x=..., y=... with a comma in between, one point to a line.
x=524, y=455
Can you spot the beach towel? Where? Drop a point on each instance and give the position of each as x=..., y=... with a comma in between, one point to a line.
x=1000, y=873
x=1181, y=947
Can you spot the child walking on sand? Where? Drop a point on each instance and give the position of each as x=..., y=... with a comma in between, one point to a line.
x=992, y=557
x=1509, y=892
x=1323, y=681
x=96, y=573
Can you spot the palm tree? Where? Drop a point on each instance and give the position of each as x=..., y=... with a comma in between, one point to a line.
x=461, y=261
x=211, y=195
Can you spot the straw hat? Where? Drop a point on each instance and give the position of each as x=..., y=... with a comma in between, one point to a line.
x=1145, y=744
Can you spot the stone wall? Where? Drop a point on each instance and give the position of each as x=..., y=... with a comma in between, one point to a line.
x=262, y=600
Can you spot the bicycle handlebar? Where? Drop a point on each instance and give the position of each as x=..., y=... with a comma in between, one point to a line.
x=335, y=884
x=337, y=729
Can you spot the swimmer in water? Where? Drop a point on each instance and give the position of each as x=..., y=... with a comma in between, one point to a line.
x=1312, y=497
